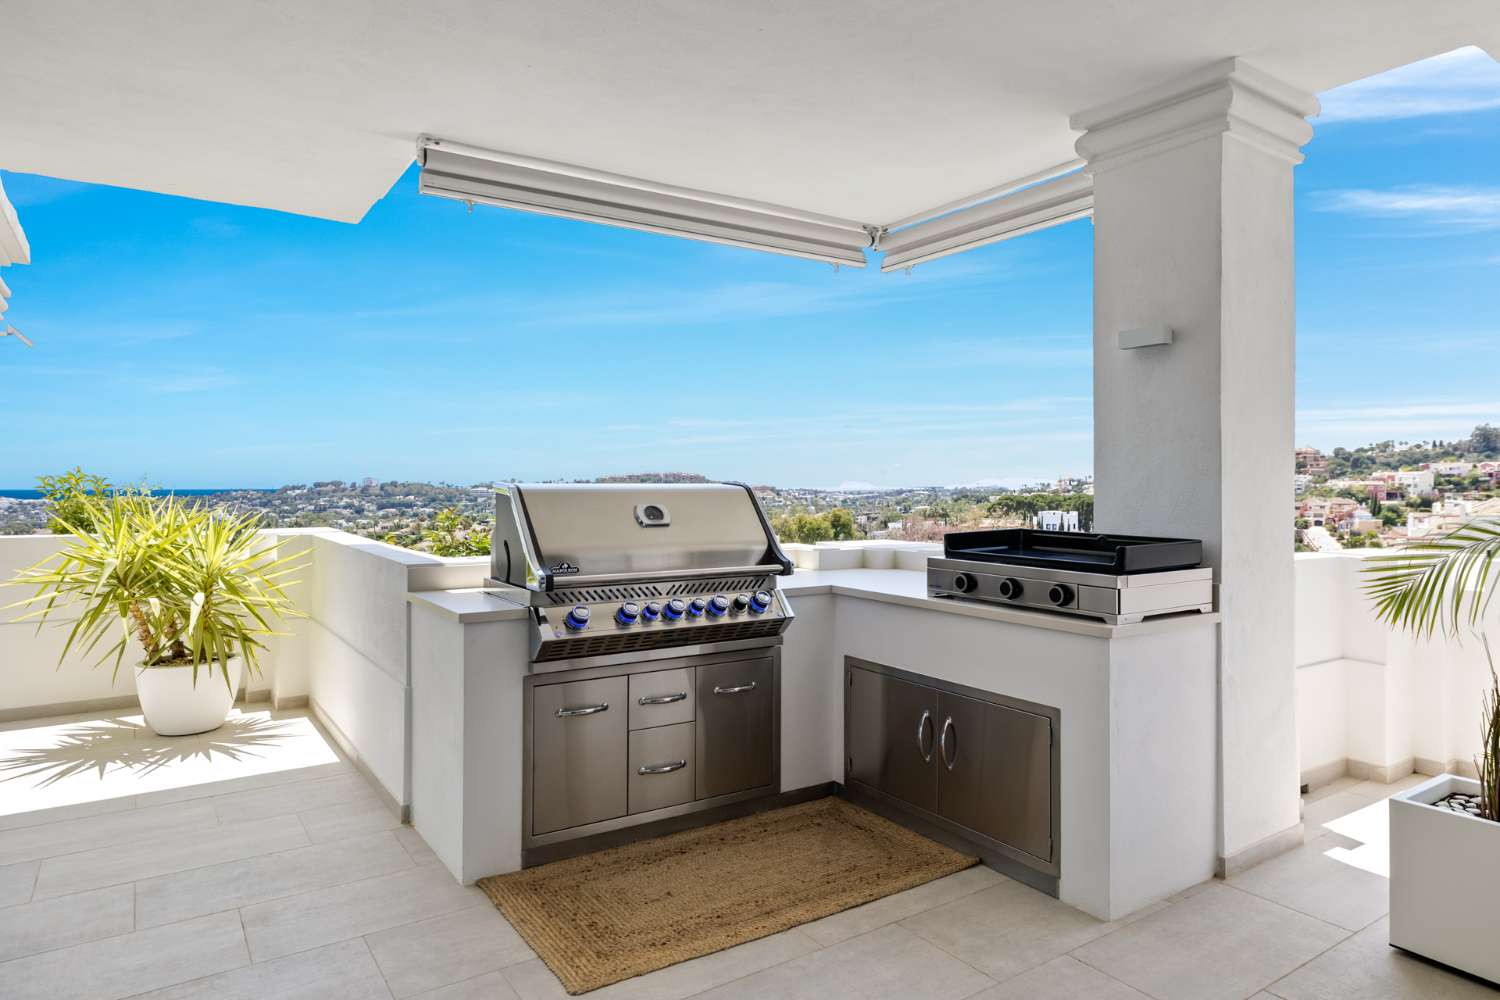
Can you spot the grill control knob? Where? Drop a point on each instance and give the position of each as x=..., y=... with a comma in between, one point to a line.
x=1060, y=594
x=674, y=609
x=577, y=619
x=741, y=603
x=1010, y=588
x=718, y=605
x=629, y=613
x=759, y=602
x=651, y=611
x=964, y=583
x=696, y=606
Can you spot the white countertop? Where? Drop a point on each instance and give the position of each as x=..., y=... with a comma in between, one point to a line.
x=891, y=586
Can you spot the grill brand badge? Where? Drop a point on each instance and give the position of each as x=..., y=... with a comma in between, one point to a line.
x=564, y=569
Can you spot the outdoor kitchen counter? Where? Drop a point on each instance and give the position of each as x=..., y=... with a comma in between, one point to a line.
x=909, y=587
x=468, y=606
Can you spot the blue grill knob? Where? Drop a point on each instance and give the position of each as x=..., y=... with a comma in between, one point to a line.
x=696, y=607
x=577, y=619
x=675, y=608
x=651, y=611
x=629, y=613
x=718, y=606
x=759, y=602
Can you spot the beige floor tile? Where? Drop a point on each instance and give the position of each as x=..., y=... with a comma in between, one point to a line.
x=490, y=986
x=169, y=898
x=1005, y=930
x=163, y=855
x=294, y=797
x=16, y=882
x=352, y=819
x=1311, y=880
x=178, y=821
x=1340, y=784
x=532, y=980
x=130, y=963
x=67, y=920
x=1326, y=810
x=249, y=782
x=296, y=923
x=1366, y=967
x=1381, y=790
x=890, y=909
x=1062, y=979
x=890, y=962
x=343, y=971
x=446, y=949
x=415, y=845
x=77, y=810
x=1221, y=943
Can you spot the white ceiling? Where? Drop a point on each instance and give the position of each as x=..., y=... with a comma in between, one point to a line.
x=865, y=109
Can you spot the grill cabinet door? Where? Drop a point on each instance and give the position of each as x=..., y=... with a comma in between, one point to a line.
x=995, y=772
x=578, y=752
x=735, y=726
x=893, y=736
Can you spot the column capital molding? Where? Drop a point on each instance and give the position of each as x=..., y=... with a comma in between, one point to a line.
x=1230, y=97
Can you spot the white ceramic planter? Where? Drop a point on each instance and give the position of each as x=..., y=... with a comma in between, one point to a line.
x=1445, y=879
x=175, y=706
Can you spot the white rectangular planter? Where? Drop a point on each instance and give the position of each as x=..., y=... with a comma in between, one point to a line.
x=1445, y=879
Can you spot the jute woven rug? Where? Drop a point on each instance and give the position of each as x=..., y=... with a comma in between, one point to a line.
x=601, y=918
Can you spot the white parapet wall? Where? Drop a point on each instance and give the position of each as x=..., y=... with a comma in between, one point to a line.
x=349, y=659
x=1371, y=702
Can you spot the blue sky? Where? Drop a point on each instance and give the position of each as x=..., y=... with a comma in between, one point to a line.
x=195, y=344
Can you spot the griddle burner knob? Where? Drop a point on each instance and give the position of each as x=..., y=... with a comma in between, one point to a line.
x=963, y=583
x=1010, y=588
x=577, y=619
x=1060, y=594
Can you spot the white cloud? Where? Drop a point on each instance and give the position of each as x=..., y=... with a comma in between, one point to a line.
x=1464, y=80
x=1453, y=207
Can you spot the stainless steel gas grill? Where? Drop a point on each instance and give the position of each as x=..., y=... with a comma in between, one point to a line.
x=655, y=631
x=1119, y=579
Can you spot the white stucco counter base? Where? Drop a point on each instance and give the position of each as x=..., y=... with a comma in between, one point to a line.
x=1137, y=741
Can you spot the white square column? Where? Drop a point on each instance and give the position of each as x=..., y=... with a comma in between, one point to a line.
x=1194, y=438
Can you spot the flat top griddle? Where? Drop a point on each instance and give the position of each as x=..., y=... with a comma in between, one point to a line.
x=1088, y=553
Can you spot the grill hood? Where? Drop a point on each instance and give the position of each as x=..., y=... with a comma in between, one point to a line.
x=554, y=535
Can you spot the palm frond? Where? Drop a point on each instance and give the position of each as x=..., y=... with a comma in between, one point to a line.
x=1438, y=584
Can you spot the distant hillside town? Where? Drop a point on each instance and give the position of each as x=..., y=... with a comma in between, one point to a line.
x=1376, y=495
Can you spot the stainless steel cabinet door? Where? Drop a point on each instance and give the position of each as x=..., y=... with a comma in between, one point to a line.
x=578, y=753
x=735, y=726
x=893, y=736
x=995, y=772
x=1018, y=772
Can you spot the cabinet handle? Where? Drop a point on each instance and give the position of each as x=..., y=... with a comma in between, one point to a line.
x=737, y=689
x=948, y=726
x=568, y=713
x=924, y=746
x=676, y=765
x=661, y=699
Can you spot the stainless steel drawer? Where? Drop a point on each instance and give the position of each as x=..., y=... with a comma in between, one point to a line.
x=578, y=741
x=661, y=698
x=661, y=767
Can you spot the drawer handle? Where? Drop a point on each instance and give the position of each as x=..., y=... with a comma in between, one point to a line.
x=568, y=713
x=737, y=689
x=676, y=765
x=924, y=736
x=661, y=699
x=948, y=727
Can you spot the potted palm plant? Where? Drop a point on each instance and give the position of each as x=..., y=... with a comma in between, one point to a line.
x=1445, y=833
x=189, y=590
